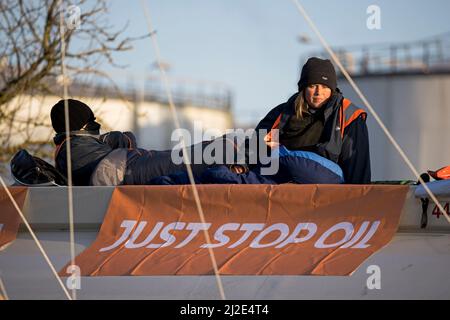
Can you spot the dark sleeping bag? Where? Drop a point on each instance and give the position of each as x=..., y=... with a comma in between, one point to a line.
x=145, y=165
x=215, y=174
x=301, y=167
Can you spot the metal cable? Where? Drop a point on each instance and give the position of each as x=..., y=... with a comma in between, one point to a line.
x=185, y=155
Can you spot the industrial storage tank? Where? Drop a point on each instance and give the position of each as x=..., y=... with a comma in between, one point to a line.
x=203, y=107
x=145, y=111
x=416, y=110
x=408, y=85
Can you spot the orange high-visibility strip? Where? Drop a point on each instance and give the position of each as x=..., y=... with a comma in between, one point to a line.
x=277, y=122
x=345, y=104
x=275, y=125
x=58, y=147
x=354, y=116
x=443, y=173
x=341, y=121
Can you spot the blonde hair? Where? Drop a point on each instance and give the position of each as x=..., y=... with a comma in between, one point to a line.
x=301, y=105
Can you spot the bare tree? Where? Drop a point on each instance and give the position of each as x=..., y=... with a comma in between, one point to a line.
x=30, y=52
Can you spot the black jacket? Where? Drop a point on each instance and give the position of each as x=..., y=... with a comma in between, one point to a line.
x=353, y=157
x=141, y=165
x=86, y=153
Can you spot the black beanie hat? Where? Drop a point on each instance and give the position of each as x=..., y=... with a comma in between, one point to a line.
x=79, y=115
x=318, y=71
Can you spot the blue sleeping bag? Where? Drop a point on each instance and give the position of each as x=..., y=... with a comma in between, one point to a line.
x=307, y=167
x=301, y=167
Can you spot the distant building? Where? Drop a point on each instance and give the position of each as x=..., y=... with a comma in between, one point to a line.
x=146, y=112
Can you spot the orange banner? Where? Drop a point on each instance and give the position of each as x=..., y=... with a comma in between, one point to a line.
x=9, y=218
x=254, y=230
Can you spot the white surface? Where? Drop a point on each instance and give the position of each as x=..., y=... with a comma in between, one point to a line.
x=413, y=266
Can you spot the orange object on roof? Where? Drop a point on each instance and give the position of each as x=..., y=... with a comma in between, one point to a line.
x=440, y=174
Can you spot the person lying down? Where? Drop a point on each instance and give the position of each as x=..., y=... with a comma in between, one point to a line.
x=115, y=159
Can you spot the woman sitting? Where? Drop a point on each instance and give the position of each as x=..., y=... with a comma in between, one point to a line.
x=319, y=119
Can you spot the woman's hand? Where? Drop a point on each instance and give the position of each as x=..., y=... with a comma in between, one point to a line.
x=239, y=169
x=271, y=139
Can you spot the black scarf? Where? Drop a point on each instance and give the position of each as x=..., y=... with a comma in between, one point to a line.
x=304, y=133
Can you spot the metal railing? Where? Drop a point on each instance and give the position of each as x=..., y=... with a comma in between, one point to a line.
x=186, y=92
x=431, y=55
